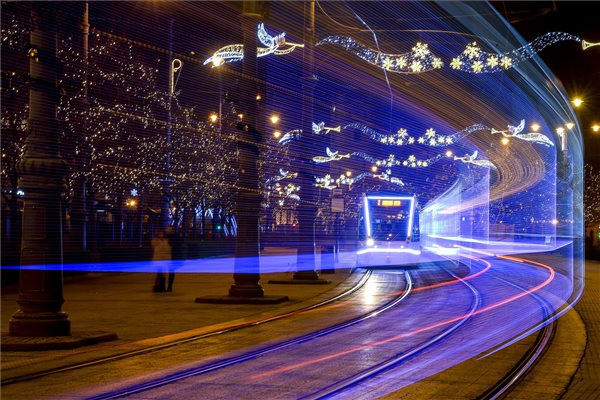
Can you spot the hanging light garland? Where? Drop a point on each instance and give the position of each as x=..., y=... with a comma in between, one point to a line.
x=419, y=59
x=473, y=59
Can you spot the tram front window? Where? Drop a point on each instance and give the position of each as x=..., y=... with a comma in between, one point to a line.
x=389, y=224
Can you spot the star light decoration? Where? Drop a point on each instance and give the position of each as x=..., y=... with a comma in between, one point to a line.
x=419, y=59
x=472, y=59
x=402, y=138
x=235, y=52
x=327, y=181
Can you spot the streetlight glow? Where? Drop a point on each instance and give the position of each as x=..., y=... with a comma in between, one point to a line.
x=577, y=101
x=348, y=174
x=448, y=153
x=374, y=168
x=535, y=127
x=569, y=125
x=274, y=118
x=277, y=134
x=596, y=127
x=560, y=130
x=505, y=141
x=217, y=61
x=213, y=117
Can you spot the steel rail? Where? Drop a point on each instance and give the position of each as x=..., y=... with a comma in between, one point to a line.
x=151, y=349
x=528, y=360
x=143, y=387
x=339, y=387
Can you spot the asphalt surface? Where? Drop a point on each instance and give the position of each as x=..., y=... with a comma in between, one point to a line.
x=123, y=303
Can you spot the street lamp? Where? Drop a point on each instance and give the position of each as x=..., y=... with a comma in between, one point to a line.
x=505, y=141
x=535, y=127
x=274, y=119
x=596, y=127
x=577, y=102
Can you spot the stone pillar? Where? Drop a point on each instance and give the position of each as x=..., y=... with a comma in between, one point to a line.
x=303, y=151
x=248, y=197
x=42, y=172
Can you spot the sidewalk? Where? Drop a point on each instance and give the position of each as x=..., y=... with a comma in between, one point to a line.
x=123, y=303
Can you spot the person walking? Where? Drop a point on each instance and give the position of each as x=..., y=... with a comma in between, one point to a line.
x=161, y=251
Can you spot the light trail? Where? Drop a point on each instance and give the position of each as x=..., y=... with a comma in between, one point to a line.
x=420, y=330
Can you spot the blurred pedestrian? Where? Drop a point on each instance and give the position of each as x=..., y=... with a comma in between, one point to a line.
x=176, y=242
x=161, y=251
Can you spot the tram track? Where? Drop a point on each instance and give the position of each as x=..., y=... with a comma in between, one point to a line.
x=339, y=387
x=337, y=390
x=542, y=341
x=173, y=378
x=163, y=346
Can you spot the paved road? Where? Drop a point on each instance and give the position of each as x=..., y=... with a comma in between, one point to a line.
x=119, y=299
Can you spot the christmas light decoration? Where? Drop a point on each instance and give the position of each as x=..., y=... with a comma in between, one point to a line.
x=475, y=60
x=472, y=159
x=472, y=60
x=419, y=59
x=290, y=135
x=331, y=156
x=515, y=131
x=320, y=127
x=235, y=52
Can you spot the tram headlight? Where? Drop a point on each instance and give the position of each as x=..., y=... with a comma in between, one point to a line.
x=370, y=242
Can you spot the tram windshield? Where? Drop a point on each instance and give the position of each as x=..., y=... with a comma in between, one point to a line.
x=389, y=219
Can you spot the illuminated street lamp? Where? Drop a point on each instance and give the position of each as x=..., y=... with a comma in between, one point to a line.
x=596, y=127
x=577, y=102
x=274, y=119
x=505, y=141
x=277, y=134
x=569, y=125
x=348, y=174
x=449, y=153
x=213, y=117
x=374, y=168
x=535, y=127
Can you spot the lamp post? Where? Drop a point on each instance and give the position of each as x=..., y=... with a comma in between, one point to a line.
x=42, y=171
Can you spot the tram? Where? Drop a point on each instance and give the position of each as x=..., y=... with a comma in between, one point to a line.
x=388, y=231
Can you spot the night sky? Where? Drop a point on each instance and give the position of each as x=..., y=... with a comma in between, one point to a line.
x=578, y=70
